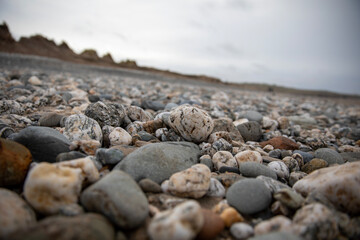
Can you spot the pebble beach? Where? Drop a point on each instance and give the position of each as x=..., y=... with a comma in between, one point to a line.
x=96, y=153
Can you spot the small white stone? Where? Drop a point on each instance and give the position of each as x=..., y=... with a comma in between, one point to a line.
x=268, y=148
x=241, y=231
x=34, y=80
x=216, y=188
x=119, y=136
x=278, y=223
x=240, y=121
x=192, y=123
x=193, y=182
x=88, y=168
x=165, y=186
x=223, y=158
x=280, y=168
x=248, y=156
x=183, y=222
x=269, y=123
x=81, y=127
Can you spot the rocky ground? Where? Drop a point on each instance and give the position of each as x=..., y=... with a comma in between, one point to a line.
x=100, y=153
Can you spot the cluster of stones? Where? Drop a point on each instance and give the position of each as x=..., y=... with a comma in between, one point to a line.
x=123, y=159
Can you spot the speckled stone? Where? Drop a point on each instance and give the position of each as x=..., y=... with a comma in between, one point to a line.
x=241, y=231
x=272, y=184
x=296, y=176
x=119, y=136
x=193, y=182
x=250, y=131
x=223, y=158
x=138, y=114
x=106, y=114
x=81, y=127
x=249, y=196
x=216, y=189
x=226, y=124
x=248, y=156
x=277, y=223
x=192, y=123
x=185, y=221
x=314, y=164
x=280, y=168
x=338, y=183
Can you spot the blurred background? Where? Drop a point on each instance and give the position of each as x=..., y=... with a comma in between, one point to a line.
x=307, y=44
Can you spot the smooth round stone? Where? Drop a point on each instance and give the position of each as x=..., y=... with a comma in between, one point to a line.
x=339, y=184
x=191, y=123
x=14, y=162
x=138, y=114
x=216, y=189
x=153, y=105
x=69, y=156
x=16, y=214
x=329, y=155
x=314, y=164
x=193, y=182
x=223, y=158
x=275, y=153
x=249, y=196
x=119, y=136
x=129, y=206
x=254, y=169
x=170, y=106
x=83, y=227
x=109, y=155
x=280, y=168
x=44, y=143
x=81, y=127
x=94, y=98
x=225, y=169
x=106, y=114
x=50, y=120
x=315, y=221
x=277, y=236
x=241, y=231
x=145, y=136
x=250, y=131
x=34, y=80
x=248, y=156
x=253, y=116
x=185, y=221
x=148, y=185
x=158, y=161
x=306, y=156
x=213, y=225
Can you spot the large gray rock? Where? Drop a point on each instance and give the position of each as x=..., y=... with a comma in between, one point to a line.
x=329, y=155
x=158, y=161
x=118, y=197
x=254, y=169
x=249, y=196
x=44, y=143
x=83, y=227
x=250, y=131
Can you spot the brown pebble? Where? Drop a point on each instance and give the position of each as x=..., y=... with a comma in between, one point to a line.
x=281, y=143
x=213, y=225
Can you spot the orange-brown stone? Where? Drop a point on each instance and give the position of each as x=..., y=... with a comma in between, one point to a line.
x=281, y=143
x=213, y=225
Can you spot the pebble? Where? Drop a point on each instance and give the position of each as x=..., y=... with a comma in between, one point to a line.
x=277, y=236
x=241, y=231
x=329, y=155
x=148, y=185
x=51, y=120
x=44, y=143
x=315, y=221
x=296, y=176
x=228, y=179
x=273, y=185
x=216, y=189
x=206, y=160
x=191, y=123
x=227, y=125
x=185, y=221
x=307, y=157
x=248, y=156
x=339, y=184
x=231, y=216
x=254, y=169
x=119, y=136
x=158, y=161
x=15, y=160
x=250, y=131
x=110, y=156
x=291, y=163
x=284, y=123
x=289, y=198
x=281, y=143
x=223, y=158
x=249, y=196
x=16, y=215
x=81, y=127
x=138, y=114
x=34, y=80
x=193, y=182
x=213, y=225
x=253, y=116
x=277, y=223
x=314, y=164
x=69, y=156
x=125, y=205
x=106, y=114
x=280, y=169
x=225, y=169
x=350, y=156
x=5, y=130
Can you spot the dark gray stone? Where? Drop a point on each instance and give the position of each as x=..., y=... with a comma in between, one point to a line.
x=50, y=120
x=329, y=155
x=226, y=124
x=44, y=143
x=225, y=169
x=249, y=196
x=148, y=185
x=106, y=114
x=118, y=197
x=275, y=153
x=307, y=157
x=350, y=156
x=94, y=98
x=145, y=136
x=158, y=161
x=254, y=169
x=69, y=156
x=154, y=105
x=250, y=131
x=109, y=155
x=208, y=162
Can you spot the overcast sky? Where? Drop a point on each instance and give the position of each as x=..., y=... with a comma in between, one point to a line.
x=309, y=44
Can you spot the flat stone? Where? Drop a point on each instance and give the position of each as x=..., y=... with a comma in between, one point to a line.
x=253, y=116
x=14, y=162
x=118, y=197
x=254, y=169
x=281, y=143
x=16, y=214
x=273, y=185
x=44, y=143
x=329, y=155
x=158, y=161
x=250, y=131
x=339, y=184
x=249, y=196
